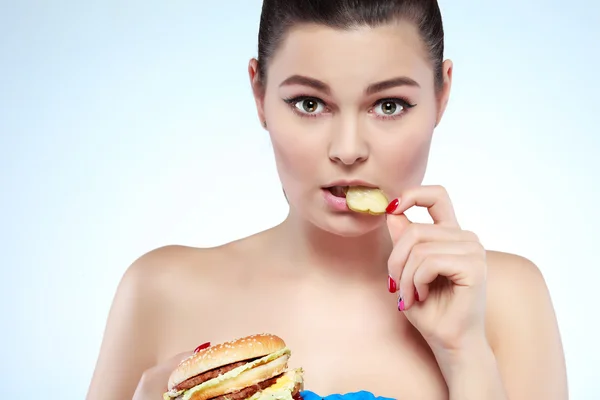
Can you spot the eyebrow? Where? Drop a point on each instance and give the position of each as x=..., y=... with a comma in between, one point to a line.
x=391, y=83
x=371, y=89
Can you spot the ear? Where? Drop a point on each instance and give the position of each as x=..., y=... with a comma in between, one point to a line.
x=444, y=94
x=257, y=90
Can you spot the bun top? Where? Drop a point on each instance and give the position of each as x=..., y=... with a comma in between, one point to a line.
x=225, y=353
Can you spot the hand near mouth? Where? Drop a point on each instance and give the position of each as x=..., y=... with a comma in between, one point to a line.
x=439, y=270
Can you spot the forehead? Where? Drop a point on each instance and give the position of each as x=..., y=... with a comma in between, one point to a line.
x=356, y=56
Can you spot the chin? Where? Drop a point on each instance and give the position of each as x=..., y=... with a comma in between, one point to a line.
x=348, y=224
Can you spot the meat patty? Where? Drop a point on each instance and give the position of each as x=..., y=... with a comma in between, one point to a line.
x=208, y=375
x=252, y=390
x=247, y=392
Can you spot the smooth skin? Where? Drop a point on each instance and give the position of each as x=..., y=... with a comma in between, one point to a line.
x=483, y=326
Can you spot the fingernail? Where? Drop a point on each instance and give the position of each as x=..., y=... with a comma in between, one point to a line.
x=392, y=288
x=400, y=304
x=392, y=206
x=202, y=347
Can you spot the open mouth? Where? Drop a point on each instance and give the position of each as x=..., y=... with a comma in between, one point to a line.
x=362, y=199
x=338, y=191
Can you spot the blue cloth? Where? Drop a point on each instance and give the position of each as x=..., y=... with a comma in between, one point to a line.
x=362, y=395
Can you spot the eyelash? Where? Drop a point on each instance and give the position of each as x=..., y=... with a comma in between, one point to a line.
x=405, y=104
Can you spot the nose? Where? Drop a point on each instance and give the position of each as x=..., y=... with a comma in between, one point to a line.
x=347, y=145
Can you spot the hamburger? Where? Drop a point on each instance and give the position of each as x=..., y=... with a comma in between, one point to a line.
x=250, y=368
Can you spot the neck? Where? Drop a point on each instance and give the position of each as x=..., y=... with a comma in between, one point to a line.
x=361, y=257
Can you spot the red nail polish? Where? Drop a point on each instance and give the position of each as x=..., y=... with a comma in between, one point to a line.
x=392, y=288
x=392, y=206
x=202, y=347
x=400, y=304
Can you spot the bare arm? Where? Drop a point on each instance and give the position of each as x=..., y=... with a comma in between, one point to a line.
x=522, y=358
x=472, y=373
x=130, y=338
x=524, y=333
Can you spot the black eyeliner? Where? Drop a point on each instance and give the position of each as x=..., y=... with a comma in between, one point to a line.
x=403, y=102
x=300, y=98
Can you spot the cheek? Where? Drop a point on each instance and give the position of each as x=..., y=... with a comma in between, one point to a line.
x=292, y=156
x=404, y=161
x=297, y=155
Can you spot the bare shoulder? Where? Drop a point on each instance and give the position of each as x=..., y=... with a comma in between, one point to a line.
x=162, y=270
x=514, y=283
x=151, y=289
x=511, y=277
x=156, y=279
x=164, y=267
x=502, y=264
x=511, y=273
x=522, y=328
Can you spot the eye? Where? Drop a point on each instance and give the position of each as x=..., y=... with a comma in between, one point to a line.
x=309, y=106
x=391, y=107
x=388, y=108
x=306, y=106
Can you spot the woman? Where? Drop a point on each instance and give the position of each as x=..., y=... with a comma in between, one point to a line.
x=350, y=93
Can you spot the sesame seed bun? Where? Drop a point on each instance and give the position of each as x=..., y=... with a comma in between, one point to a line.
x=226, y=353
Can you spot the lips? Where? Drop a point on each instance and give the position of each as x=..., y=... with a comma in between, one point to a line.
x=338, y=191
x=340, y=188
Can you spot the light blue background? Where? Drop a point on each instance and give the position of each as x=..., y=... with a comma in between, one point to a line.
x=125, y=126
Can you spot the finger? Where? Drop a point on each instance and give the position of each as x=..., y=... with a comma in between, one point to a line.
x=171, y=363
x=155, y=379
x=178, y=358
x=397, y=224
x=461, y=270
x=413, y=290
x=434, y=198
x=419, y=233
x=203, y=346
x=167, y=367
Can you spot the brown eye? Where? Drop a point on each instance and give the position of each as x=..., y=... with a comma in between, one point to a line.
x=308, y=105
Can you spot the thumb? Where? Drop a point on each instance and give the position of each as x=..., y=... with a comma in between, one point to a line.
x=154, y=381
x=396, y=220
x=166, y=367
x=177, y=359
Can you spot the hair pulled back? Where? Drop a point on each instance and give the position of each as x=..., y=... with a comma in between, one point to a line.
x=278, y=16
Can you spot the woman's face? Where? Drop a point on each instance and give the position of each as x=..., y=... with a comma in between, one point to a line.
x=349, y=105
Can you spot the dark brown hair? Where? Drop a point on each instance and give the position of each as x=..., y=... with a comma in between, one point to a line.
x=278, y=16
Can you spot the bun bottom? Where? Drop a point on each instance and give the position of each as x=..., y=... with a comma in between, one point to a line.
x=294, y=393
x=245, y=379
